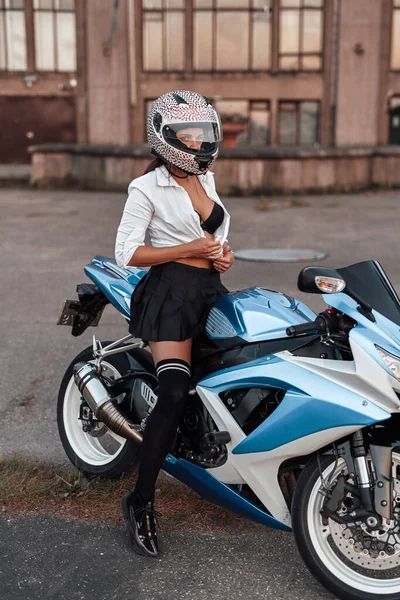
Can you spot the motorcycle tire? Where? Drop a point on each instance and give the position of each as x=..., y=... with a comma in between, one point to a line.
x=336, y=572
x=84, y=451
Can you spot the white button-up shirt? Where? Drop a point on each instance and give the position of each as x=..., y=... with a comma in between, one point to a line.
x=157, y=203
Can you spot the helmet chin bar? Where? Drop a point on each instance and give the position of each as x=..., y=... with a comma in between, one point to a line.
x=197, y=159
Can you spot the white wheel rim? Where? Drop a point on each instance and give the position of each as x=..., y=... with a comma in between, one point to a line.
x=319, y=534
x=89, y=449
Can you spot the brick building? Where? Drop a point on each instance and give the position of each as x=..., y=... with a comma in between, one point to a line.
x=288, y=76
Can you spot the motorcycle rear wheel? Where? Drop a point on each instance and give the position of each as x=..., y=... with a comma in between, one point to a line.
x=337, y=568
x=108, y=455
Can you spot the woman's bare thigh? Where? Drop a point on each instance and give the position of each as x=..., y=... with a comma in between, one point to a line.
x=163, y=350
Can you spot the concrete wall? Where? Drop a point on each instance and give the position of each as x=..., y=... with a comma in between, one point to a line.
x=107, y=74
x=359, y=73
x=271, y=172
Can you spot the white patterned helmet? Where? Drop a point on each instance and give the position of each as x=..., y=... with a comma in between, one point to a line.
x=175, y=111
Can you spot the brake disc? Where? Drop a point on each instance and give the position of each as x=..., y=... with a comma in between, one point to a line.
x=378, y=549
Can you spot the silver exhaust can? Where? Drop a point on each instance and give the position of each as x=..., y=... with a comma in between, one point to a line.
x=104, y=408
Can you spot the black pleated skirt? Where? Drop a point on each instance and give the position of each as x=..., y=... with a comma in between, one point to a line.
x=172, y=301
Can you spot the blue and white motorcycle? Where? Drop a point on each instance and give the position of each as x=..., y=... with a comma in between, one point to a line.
x=293, y=419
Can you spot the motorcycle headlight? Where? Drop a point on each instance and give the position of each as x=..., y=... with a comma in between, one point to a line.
x=392, y=361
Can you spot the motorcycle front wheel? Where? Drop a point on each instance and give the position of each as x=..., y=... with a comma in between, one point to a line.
x=98, y=450
x=347, y=560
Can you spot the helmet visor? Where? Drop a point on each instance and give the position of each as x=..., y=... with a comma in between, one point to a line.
x=201, y=137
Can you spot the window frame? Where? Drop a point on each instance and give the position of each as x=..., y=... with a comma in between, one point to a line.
x=300, y=54
x=298, y=103
x=30, y=33
x=189, y=12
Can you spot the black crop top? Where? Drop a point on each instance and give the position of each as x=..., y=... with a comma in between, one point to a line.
x=215, y=219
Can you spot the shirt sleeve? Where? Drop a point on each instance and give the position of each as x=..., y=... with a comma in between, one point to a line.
x=135, y=220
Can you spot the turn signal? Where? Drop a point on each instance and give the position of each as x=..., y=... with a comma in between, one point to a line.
x=329, y=285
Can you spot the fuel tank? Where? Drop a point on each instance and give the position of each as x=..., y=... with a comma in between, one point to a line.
x=255, y=314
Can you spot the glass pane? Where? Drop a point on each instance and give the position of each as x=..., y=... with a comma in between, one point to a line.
x=397, y=2
x=287, y=127
x=15, y=4
x=232, y=3
x=66, y=42
x=152, y=4
x=262, y=4
x=291, y=3
x=16, y=41
x=152, y=42
x=44, y=41
x=174, y=3
x=3, y=65
x=311, y=63
x=232, y=110
x=234, y=118
x=202, y=51
x=232, y=41
x=43, y=4
x=67, y=5
x=316, y=3
x=308, y=123
x=261, y=41
x=289, y=63
x=203, y=3
x=259, y=127
x=175, y=43
x=312, y=31
x=395, y=62
x=289, y=31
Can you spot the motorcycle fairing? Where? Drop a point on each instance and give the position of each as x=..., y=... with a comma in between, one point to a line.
x=312, y=403
x=366, y=333
x=116, y=283
x=214, y=490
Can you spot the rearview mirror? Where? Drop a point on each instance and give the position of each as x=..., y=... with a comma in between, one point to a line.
x=320, y=280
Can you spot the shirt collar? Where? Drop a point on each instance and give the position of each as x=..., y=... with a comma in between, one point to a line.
x=164, y=179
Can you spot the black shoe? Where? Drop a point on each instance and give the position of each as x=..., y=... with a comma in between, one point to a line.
x=142, y=522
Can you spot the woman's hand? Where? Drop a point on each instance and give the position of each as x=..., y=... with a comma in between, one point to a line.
x=204, y=248
x=224, y=262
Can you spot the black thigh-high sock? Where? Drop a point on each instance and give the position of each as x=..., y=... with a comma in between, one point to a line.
x=173, y=385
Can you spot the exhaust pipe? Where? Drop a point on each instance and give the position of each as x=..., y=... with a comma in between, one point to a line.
x=96, y=394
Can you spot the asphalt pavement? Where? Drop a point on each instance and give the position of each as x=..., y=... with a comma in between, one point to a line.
x=46, y=238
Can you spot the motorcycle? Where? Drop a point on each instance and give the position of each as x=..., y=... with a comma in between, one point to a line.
x=292, y=420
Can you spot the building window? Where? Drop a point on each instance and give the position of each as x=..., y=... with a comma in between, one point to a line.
x=55, y=35
x=300, y=35
x=163, y=35
x=53, y=31
x=12, y=36
x=244, y=122
x=395, y=60
x=231, y=35
x=298, y=123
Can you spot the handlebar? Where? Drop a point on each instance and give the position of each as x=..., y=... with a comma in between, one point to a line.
x=319, y=326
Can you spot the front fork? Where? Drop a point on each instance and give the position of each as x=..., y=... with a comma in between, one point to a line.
x=376, y=496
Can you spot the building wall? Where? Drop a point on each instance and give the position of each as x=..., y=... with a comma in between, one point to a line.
x=107, y=73
x=359, y=72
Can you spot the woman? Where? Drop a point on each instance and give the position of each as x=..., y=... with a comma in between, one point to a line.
x=175, y=200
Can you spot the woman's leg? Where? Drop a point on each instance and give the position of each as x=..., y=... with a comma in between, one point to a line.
x=172, y=360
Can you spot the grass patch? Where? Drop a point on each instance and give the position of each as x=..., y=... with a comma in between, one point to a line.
x=29, y=488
